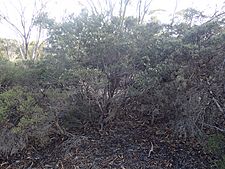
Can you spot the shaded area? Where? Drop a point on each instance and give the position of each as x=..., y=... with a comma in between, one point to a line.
x=126, y=145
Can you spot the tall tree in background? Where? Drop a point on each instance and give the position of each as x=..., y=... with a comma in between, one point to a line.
x=112, y=8
x=143, y=8
x=26, y=26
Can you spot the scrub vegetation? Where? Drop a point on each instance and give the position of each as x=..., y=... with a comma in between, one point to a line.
x=108, y=90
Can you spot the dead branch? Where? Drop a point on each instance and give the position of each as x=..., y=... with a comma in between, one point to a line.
x=151, y=150
x=143, y=9
x=218, y=105
x=214, y=127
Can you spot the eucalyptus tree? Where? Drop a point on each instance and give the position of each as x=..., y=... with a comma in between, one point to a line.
x=24, y=29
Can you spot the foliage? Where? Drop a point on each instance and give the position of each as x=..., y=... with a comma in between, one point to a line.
x=221, y=163
x=98, y=68
x=20, y=109
x=21, y=116
x=9, y=49
x=216, y=144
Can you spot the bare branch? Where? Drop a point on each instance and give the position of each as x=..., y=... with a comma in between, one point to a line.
x=146, y=9
x=25, y=27
x=11, y=24
x=139, y=10
x=215, y=127
x=123, y=10
x=143, y=9
x=93, y=7
x=215, y=16
x=217, y=102
x=174, y=11
x=100, y=6
x=111, y=7
x=218, y=105
x=151, y=150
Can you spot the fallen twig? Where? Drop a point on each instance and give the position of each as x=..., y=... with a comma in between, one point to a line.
x=218, y=105
x=216, y=102
x=151, y=150
x=217, y=128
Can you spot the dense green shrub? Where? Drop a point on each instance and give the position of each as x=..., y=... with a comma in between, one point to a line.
x=216, y=145
x=221, y=163
x=19, y=108
x=23, y=118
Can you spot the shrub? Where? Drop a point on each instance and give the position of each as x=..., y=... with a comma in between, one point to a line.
x=216, y=144
x=21, y=118
x=221, y=163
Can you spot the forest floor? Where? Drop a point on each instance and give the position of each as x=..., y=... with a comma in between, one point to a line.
x=124, y=146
